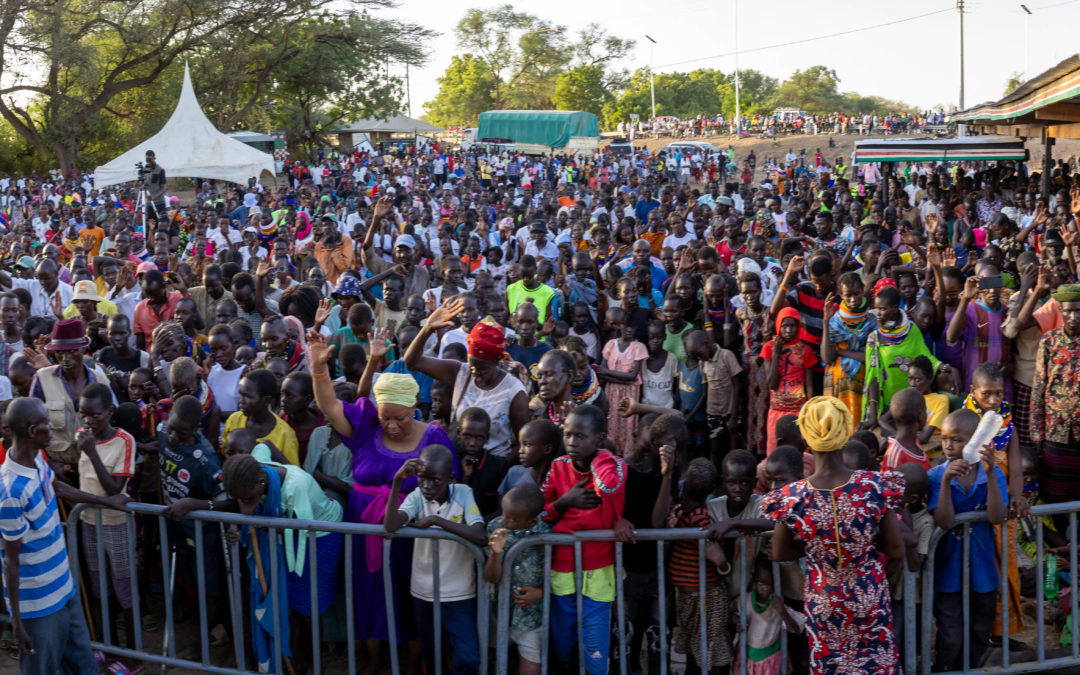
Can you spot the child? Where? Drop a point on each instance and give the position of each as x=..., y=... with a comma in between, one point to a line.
x=582, y=327
x=358, y=331
x=584, y=490
x=620, y=372
x=699, y=481
x=442, y=395
x=790, y=363
x=528, y=349
x=224, y=370
x=856, y=455
x=521, y=509
x=916, y=525
x=908, y=410
x=675, y=326
x=692, y=403
x=119, y=359
x=722, y=376
x=105, y=467
x=737, y=507
x=539, y=443
x=480, y=470
x=843, y=347
x=658, y=375
x=530, y=288
x=958, y=487
x=988, y=393
x=258, y=388
x=353, y=359
x=437, y=502
x=766, y=616
x=920, y=375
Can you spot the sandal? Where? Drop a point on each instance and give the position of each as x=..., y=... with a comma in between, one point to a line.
x=102, y=660
x=118, y=668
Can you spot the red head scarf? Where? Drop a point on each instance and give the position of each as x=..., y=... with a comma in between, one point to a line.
x=789, y=313
x=882, y=283
x=487, y=340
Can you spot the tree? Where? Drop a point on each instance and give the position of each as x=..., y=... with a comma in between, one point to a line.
x=755, y=93
x=464, y=92
x=77, y=60
x=581, y=88
x=814, y=90
x=1013, y=83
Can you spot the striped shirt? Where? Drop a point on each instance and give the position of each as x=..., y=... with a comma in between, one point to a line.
x=28, y=514
x=896, y=454
x=811, y=308
x=683, y=565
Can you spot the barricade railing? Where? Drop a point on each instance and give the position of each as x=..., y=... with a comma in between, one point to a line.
x=915, y=647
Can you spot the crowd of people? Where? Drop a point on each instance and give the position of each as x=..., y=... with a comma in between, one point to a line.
x=565, y=344
x=787, y=121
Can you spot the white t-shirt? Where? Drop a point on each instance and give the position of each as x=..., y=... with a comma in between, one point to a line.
x=673, y=242
x=454, y=585
x=224, y=384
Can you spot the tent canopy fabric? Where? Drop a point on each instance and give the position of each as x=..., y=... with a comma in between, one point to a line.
x=549, y=128
x=971, y=148
x=190, y=146
x=398, y=124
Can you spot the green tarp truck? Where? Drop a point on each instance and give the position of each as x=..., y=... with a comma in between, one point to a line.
x=537, y=132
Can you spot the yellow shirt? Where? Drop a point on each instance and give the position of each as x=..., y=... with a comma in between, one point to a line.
x=106, y=307
x=282, y=436
x=937, y=409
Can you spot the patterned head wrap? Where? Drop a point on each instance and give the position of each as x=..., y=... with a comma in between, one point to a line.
x=487, y=340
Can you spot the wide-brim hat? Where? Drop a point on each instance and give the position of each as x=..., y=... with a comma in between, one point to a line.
x=85, y=290
x=68, y=334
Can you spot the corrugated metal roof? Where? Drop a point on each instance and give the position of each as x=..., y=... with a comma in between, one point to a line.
x=398, y=124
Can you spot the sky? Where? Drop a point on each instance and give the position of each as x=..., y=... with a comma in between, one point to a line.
x=914, y=61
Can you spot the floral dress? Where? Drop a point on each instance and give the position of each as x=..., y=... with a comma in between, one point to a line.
x=848, y=608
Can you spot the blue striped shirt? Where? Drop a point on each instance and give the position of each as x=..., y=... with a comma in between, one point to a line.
x=28, y=514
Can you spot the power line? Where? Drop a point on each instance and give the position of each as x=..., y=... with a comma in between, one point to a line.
x=812, y=39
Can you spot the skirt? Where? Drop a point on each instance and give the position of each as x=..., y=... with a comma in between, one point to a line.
x=687, y=639
x=1059, y=480
x=328, y=551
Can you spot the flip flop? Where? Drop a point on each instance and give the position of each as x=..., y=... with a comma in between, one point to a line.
x=118, y=668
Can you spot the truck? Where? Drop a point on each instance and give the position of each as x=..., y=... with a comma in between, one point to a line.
x=538, y=132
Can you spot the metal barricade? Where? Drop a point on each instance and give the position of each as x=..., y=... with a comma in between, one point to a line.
x=918, y=620
x=167, y=656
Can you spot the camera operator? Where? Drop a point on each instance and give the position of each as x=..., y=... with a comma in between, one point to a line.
x=153, y=178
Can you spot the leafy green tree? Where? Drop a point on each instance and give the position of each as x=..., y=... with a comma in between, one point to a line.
x=464, y=92
x=813, y=90
x=1014, y=81
x=581, y=88
x=73, y=69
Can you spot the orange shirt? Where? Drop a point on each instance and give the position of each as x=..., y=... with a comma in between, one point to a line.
x=656, y=241
x=334, y=261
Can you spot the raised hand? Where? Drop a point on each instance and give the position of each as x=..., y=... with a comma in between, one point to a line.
x=380, y=343
x=56, y=305
x=323, y=312
x=931, y=222
x=1075, y=194
x=971, y=288
x=319, y=351
x=667, y=459
x=264, y=267
x=444, y=316
x=383, y=206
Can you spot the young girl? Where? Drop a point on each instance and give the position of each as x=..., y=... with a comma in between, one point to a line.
x=789, y=362
x=753, y=322
x=843, y=349
x=766, y=617
x=658, y=375
x=621, y=373
x=224, y=370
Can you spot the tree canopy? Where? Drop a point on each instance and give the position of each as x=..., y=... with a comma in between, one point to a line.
x=84, y=79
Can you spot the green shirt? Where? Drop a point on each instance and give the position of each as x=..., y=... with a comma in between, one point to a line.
x=516, y=294
x=673, y=342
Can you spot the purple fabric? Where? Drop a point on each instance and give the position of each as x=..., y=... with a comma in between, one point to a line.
x=374, y=465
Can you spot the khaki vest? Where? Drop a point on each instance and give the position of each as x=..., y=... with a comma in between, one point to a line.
x=62, y=416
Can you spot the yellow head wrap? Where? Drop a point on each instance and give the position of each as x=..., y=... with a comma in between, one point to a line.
x=825, y=424
x=396, y=388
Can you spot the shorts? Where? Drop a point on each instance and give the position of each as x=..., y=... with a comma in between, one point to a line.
x=528, y=643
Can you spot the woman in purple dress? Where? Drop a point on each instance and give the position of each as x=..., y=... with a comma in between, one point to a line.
x=382, y=437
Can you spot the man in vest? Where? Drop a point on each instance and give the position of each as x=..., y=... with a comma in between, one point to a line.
x=60, y=386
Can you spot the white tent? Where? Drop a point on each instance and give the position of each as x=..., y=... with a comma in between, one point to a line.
x=190, y=146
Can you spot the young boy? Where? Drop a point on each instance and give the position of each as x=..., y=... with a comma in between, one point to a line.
x=721, y=373
x=119, y=359
x=528, y=349
x=529, y=287
x=106, y=465
x=908, y=410
x=442, y=396
x=438, y=502
x=47, y=620
x=585, y=489
x=675, y=327
x=480, y=470
x=521, y=509
x=958, y=487
x=359, y=329
x=737, y=507
x=916, y=525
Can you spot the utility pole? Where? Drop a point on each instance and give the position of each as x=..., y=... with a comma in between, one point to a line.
x=652, y=89
x=960, y=11
x=408, y=91
x=1027, y=51
x=738, y=110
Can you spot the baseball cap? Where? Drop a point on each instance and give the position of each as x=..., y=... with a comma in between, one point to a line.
x=145, y=267
x=26, y=263
x=405, y=240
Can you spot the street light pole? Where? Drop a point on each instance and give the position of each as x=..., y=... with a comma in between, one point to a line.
x=1027, y=52
x=652, y=89
x=960, y=11
x=738, y=110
